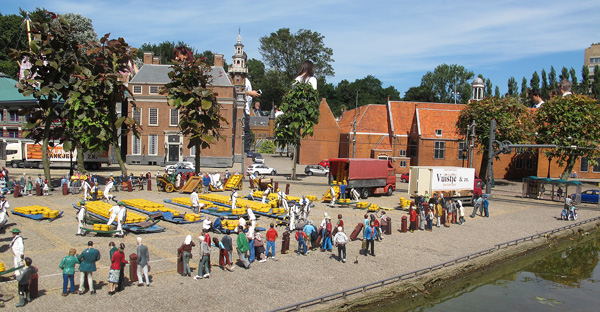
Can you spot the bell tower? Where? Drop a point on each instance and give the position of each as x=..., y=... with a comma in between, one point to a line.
x=238, y=68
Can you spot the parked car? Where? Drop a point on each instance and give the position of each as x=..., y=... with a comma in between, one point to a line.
x=184, y=169
x=324, y=163
x=170, y=168
x=404, y=177
x=261, y=169
x=590, y=196
x=258, y=159
x=316, y=169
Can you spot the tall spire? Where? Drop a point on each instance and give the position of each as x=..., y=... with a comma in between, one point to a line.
x=239, y=39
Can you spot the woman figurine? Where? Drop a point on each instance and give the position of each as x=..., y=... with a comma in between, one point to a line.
x=115, y=268
x=306, y=73
x=186, y=254
x=67, y=264
x=259, y=247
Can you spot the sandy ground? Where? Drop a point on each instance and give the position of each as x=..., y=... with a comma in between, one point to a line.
x=287, y=279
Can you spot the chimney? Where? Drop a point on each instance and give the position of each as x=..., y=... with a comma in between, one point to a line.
x=219, y=60
x=148, y=57
x=156, y=60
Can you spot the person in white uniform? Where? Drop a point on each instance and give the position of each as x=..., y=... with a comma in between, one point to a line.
x=106, y=194
x=305, y=207
x=283, y=199
x=195, y=201
x=266, y=194
x=86, y=189
x=114, y=211
x=18, y=249
x=121, y=217
x=81, y=217
x=233, y=197
x=355, y=195
x=3, y=209
x=293, y=212
x=332, y=193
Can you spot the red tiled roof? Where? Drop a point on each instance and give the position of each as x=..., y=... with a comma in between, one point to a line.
x=370, y=118
x=432, y=119
x=404, y=112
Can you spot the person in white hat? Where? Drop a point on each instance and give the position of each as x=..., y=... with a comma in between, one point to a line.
x=266, y=193
x=86, y=189
x=121, y=217
x=340, y=239
x=18, y=249
x=332, y=193
x=195, y=201
x=109, y=185
x=233, y=197
x=81, y=217
x=305, y=207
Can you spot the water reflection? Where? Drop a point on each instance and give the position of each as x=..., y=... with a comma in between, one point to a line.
x=560, y=278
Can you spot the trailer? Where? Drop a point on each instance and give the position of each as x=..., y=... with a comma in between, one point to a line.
x=454, y=182
x=369, y=176
x=28, y=154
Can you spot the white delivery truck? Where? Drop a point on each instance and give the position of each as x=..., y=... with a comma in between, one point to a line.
x=25, y=154
x=455, y=182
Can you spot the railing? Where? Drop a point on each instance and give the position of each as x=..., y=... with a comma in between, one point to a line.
x=406, y=276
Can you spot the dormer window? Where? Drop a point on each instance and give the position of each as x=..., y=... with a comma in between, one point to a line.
x=438, y=132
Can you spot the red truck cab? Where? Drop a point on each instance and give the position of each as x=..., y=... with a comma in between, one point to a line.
x=366, y=175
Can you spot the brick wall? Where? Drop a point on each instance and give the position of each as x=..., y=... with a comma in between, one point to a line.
x=325, y=141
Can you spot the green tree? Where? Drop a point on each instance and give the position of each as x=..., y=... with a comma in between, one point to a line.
x=300, y=109
x=545, y=90
x=488, y=87
x=585, y=80
x=552, y=82
x=574, y=80
x=564, y=74
x=513, y=87
x=570, y=121
x=524, y=90
x=596, y=83
x=54, y=58
x=513, y=123
x=91, y=110
x=534, y=83
x=285, y=52
x=497, y=92
x=441, y=84
x=199, y=113
x=83, y=29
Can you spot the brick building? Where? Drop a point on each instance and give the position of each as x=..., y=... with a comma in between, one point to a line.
x=161, y=141
x=11, y=101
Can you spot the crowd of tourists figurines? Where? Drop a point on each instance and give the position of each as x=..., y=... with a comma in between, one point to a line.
x=426, y=209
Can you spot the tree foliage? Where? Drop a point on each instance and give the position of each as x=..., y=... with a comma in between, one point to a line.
x=199, y=113
x=439, y=85
x=569, y=121
x=513, y=87
x=534, y=83
x=585, y=80
x=344, y=95
x=284, y=51
x=596, y=83
x=54, y=58
x=301, y=113
x=83, y=29
x=488, y=87
x=513, y=123
x=91, y=110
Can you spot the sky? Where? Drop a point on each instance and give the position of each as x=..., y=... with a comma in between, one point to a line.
x=396, y=41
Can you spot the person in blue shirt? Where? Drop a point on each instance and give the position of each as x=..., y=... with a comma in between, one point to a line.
x=486, y=205
x=205, y=183
x=217, y=225
x=343, y=190
x=370, y=237
x=311, y=232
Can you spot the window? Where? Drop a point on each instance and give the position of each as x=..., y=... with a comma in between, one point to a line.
x=153, y=116
x=462, y=151
x=596, y=167
x=438, y=150
x=136, y=114
x=1, y=115
x=152, y=144
x=13, y=116
x=403, y=163
x=519, y=163
x=529, y=164
x=137, y=89
x=13, y=133
x=585, y=166
x=438, y=132
x=402, y=153
x=594, y=59
x=135, y=145
x=153, y=89
x=193, y=151
x=174, y=120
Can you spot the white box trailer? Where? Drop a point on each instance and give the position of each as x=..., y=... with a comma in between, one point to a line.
x=455, y=182
x=25, y=154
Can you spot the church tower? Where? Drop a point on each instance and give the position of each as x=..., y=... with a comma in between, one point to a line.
x=238, y=68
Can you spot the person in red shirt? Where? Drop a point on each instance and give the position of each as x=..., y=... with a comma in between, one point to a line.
x=113, y=276
x=301, y=238
x=413, y=218
x=340, y=222
x=271, y=237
